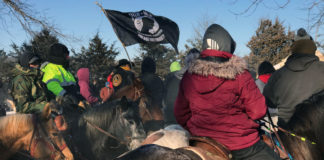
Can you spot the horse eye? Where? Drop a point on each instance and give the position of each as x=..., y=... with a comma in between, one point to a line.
x=131, y=122
x=55, y=134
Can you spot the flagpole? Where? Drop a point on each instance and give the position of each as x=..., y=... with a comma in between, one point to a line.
x=103, y=10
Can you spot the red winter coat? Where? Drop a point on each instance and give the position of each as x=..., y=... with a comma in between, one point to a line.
x=221, y=101
x=83, y=76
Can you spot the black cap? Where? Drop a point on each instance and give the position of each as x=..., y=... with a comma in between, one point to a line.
x=148, y=65
x=265, y=68
x=58, y=54
x=123, y=62
x=27, y=58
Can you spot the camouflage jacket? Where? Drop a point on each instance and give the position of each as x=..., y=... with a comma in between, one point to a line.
x=28, y=91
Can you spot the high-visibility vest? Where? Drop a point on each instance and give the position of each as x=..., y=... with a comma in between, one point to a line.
x=56, y=77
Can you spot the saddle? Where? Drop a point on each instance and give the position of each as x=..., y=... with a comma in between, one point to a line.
x=208, y=149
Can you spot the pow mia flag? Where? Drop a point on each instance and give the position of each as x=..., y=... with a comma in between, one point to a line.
x=143, y=27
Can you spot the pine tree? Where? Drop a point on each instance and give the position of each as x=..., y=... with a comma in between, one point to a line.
x=5, y=66
x=98, y=57
x=270, y=43
x=39, y=44
x=42, y=41
x=162, y=55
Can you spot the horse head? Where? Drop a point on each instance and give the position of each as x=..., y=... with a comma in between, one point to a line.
x=131, y=87
x=36, y=133
x=130, y=128
x=115, y=123
x=47, y=141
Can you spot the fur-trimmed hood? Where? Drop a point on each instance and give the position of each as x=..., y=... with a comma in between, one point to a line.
x=226, y=70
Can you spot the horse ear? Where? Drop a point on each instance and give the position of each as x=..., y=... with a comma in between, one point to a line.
x=46, y=113
x=123, y=103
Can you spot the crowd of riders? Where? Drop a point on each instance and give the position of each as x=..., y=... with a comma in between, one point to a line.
x=212, y=95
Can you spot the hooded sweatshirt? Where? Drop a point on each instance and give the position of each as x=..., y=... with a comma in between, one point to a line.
x=83, y=76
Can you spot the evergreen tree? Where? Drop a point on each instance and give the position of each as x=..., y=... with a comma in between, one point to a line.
x=270, y=43
x=98, y=57
x=42, y=41
x=40, y=44
x=3, y=65
x=162, y=55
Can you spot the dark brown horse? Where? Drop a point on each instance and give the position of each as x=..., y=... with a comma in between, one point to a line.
x=133, y=89
x=200, y=148
x=35, y=133
x=307, y=141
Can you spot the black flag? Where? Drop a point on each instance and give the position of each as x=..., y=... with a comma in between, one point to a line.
x=143, y=27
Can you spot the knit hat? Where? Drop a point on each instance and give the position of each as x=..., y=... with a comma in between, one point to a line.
x=192, y=55
x=58, y=54
x=28, y=58
x=303, y=43
x=302, y=34
x=265, y=68
x=175, y=66
x=217, y=38
x=148, y=65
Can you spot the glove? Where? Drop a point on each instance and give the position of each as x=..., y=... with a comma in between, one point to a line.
x=105, y=93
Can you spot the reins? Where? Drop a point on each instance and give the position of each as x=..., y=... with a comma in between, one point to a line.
x=275, y=132
x=290, y=133
x=36, y=137
x=106, y=133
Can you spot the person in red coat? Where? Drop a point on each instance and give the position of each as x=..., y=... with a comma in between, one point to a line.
x=218, y=98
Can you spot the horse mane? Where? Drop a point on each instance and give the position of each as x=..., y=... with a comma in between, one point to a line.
x=307, y=121
x=102, y=114
x=13, y=124
x=105, y=114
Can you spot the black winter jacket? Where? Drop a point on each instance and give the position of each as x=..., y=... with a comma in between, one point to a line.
x=300, y=78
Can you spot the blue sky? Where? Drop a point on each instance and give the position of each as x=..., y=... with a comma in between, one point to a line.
x=83, y=19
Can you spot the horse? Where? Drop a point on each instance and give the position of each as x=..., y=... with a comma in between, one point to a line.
x=126, y=84
x=105, y=131
x=36, y=133
x=303, y=134
x=200, y=148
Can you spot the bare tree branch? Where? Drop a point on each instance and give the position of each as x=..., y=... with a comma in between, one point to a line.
x=254, y=3
x=26, y=16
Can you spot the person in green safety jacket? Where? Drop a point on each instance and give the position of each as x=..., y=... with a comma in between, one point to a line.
x=27, y=89
x=56, y=76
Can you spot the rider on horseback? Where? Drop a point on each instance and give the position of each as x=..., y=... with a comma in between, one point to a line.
x=292, y=84
x=28, y=91
x=218, y=98
x=56, y=76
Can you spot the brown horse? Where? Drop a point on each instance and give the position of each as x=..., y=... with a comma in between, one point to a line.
x=151, y=114
x=36, y=133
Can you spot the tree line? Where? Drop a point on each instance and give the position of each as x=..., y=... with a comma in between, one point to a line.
x=270, y=42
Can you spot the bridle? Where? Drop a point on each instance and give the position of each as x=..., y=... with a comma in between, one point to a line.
x=129, y=139
x=37, y=137
x=138, y=93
